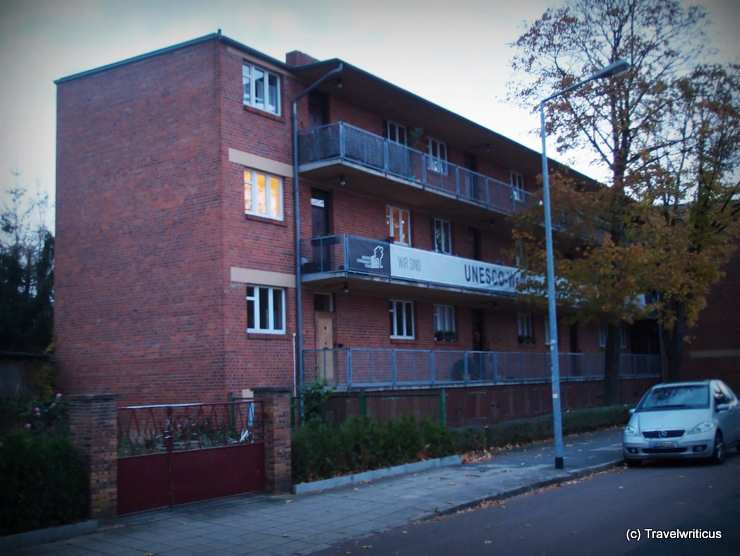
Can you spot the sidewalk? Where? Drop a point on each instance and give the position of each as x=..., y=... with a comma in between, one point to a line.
x=300, y=524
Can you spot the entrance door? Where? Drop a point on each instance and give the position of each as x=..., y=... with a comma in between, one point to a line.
x=325, y=345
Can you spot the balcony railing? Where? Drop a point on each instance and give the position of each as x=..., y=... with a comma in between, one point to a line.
x=345, y=143
x=358, y=256
x=352, y=368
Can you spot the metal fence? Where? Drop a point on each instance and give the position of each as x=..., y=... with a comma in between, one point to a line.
x=153, y=429
x=407, y=368
x=341, y=141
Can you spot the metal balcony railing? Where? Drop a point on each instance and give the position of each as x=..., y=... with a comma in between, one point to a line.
x=345, y=143
x=352, y=368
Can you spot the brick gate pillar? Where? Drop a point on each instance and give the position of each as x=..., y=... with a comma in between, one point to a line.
x=93, y=426
x=276, y=425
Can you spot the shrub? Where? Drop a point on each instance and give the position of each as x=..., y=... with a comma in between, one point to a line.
x=362, y=444
x=43, y=482
x=523, y=431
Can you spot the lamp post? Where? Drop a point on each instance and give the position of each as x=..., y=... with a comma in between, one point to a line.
x=617, y=68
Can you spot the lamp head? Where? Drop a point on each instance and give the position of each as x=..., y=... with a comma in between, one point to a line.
x=612, y=70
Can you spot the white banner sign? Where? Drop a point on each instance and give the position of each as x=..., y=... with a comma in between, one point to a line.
x=428, y=266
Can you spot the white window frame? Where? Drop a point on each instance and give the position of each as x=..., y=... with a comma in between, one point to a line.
x=442, y=239
x=251, y=184
x=402, y=319
x=444, y=323
x=271, y=98
x=622, y=335
x=524, y=328
x=274, y=317
x=398, y=216
x=437, y=155
x=516, y=179
x=396, y=133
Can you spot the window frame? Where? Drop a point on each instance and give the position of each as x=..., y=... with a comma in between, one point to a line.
x=622, y=335
x=407, y=318
x=255, y=312
x=253, y=78
x=516, y=180
x=390, y=213
x=525, y=328
x=396, y=133
x=445, y=328
x=442, y=231
x=254, y=194
x=437, y=155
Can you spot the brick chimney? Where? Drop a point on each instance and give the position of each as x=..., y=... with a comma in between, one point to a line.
x=298, y=58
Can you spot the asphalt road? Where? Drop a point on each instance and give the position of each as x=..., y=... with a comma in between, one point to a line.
x=601, y=515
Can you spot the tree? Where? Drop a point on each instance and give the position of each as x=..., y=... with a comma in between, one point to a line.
x=626, y=124
x=26, y=277
x=695, y=186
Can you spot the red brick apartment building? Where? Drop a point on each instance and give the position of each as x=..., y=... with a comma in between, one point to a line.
x=182, y=177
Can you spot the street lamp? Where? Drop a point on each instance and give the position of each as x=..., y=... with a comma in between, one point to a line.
x=612, y=70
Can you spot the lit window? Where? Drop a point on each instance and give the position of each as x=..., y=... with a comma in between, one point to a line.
x=265, y=310
x=261, y=89
x=263, y=195
x=402, y=319
x=437, y=151
x=517, y=185
x=442, y=239
x=444, y=323
x=524, y=328
x=399, y=225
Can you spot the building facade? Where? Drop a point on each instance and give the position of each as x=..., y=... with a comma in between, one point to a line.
x=226, y=221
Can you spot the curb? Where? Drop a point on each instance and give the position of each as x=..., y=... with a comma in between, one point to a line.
x=569, y=476
x=404, y=469
x=41, y=536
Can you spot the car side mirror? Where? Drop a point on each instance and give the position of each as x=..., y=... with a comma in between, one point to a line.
x=722, y=407
x=632, y=411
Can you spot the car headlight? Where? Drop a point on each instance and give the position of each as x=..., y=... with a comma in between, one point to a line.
x=629, y=430
x=706, y=426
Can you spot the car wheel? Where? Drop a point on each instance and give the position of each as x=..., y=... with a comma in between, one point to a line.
x=632, y=462
x=718, y=455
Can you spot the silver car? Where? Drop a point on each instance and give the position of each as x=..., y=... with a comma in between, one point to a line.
x=683, y=420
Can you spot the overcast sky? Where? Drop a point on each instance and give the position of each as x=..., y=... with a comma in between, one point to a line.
x=455, y=54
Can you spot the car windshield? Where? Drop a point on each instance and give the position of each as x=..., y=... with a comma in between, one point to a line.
x=676, y=397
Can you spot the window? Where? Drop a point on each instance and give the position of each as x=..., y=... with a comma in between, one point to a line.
x=622, y=335
x=402, y=319
x=520, y=258
x=399, y=225
x=263, y=195
x=437, y=151
x=517, y=186
x=261, y=89
x=265, y=310
x=524, y=328
x=395, y=132
x=442, y=236
x=444, y=323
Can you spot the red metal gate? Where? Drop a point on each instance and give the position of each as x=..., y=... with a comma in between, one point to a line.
x=182, y=453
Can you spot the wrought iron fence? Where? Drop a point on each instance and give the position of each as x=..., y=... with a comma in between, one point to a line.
x=341, y=141
x=403, y=368
x=150, y=429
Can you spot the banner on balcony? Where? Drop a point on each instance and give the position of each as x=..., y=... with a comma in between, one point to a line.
x=368, y=256
x=427, y=266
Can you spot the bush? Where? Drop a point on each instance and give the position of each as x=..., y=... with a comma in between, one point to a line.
x=523, y=431
x=43, y=482
x=362, y=444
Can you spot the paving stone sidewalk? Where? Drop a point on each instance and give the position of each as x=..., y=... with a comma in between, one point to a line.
x=283, y=525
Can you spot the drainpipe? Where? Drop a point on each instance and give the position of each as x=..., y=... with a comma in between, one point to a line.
x=297, y=219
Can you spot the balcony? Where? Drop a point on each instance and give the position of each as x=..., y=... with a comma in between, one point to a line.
x=368, y=164
x=378, y=369
x=345, y=260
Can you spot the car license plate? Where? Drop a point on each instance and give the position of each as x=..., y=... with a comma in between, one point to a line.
x=663, y=444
